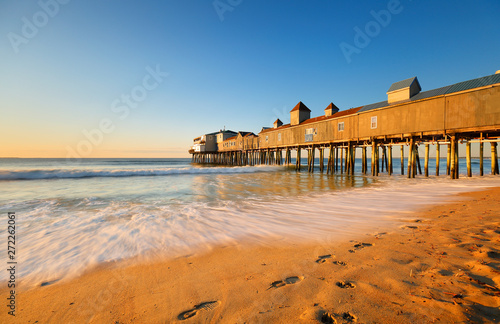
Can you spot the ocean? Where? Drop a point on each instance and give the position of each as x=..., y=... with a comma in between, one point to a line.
x=73, y=215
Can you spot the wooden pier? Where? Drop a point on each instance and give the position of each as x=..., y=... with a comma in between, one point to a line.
x=464, y=113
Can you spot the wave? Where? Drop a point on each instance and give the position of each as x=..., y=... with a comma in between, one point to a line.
x=86, y=173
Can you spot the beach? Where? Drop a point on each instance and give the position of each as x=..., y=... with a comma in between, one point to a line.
x=442, y=265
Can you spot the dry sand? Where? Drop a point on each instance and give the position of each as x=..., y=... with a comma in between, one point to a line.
x=442, y=266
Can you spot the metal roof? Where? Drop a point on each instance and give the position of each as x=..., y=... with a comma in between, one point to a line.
x=403, y=84
x=430, y=93
x=374, y=106
x=476, y=83
x=461, y=86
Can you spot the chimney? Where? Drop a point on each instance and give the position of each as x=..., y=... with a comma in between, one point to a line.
x=403, y=90
x=331, y=109
x=277, y=123
x=299, y=114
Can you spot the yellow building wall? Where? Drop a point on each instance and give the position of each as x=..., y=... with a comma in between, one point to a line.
x=473, y=109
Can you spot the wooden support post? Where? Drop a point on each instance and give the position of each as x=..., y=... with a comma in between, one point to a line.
x=426, y=161
x=363, y=160
x=383, y=158
x=402, y=159
x=374, y=147
x=452, y=158
x=417, y=157
x=336, y=159
x=377, y=160
x=448, y=160
x=348, y=158
x=389, y=153
x=437, y=159
x=481, y=157
x=494, y=161
x=321, y=156
x=329, y=164
x=345, y=159
x=352, y=157
x=312, y=158
x=414, y=157
x=457, y=160
x=468, y=158
x=341, y=160
x=308, y=160
x=410, y=157
x=298, y=159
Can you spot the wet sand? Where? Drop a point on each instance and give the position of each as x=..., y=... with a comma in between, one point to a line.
x=443, y=266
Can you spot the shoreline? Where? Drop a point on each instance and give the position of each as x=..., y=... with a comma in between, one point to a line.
x=445, y=265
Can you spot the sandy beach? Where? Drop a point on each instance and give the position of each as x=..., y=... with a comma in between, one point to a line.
x=442, y=266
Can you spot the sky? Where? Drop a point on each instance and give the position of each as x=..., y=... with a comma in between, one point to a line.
x=125, y=78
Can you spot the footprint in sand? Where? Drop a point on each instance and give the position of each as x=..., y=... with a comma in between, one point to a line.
x=200, y=307
x=322, y=258
x=349, y=317
x=359, y=246
x=342, y=263
x=327, y=318
x=346, y=284
x=287, y=281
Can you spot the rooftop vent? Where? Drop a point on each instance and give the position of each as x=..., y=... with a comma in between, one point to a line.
x=331, y=109
x=299, y=113
x=277, y=123
x=403, y=90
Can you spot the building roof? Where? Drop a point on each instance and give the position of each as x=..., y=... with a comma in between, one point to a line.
x=301, y=107
x=475, y=83
x=332, y=106
x=403, y=84
x=430, y=93
x=230, y=138
x=243, y=134
x=461, y=86
x=317, y=119
x=226, y=131
x=278, y=121
x=268, y=129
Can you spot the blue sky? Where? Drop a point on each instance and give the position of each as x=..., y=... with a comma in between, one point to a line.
x=234, y=63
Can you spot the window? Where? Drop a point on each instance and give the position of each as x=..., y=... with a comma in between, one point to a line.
x=309, y=135
x=279, y=136
x=341, y=126
x=374, y=122
x=267, y=138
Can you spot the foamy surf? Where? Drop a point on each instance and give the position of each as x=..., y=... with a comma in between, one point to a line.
x=60, y=237
x=86, y=173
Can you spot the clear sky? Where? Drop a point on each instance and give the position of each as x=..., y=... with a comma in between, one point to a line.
x=143, y=78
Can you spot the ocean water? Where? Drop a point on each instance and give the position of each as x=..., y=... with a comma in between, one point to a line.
x=74, y=215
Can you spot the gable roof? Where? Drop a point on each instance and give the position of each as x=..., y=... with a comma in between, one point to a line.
x=301, y=107
x=403, y=84
x=332, y=106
